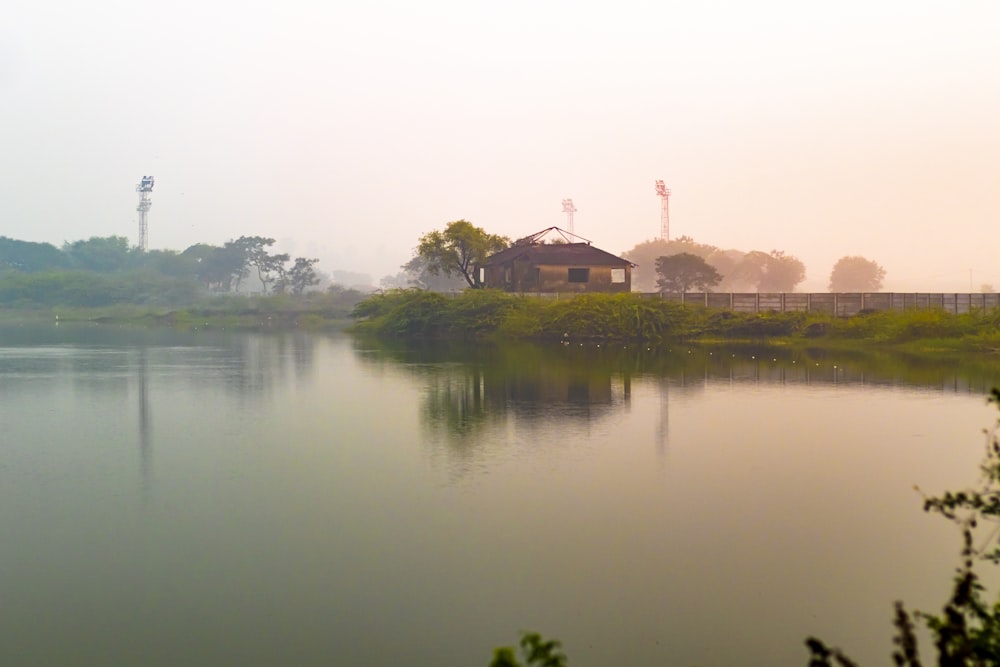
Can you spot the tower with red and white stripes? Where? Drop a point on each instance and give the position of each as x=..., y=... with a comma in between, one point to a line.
x=664, y=194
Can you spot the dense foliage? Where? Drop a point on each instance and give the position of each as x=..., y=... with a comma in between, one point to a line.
x=457, y=249
x=535, y=650
x=685, y=272
x=103, y=271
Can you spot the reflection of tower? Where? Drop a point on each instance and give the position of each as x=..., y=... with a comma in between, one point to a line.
x=144, y=188
x=145, y=443
x=569, y=210
x=664, y=194
x=663, y=431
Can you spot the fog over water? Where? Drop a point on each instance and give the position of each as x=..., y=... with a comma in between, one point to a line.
x=346, y=130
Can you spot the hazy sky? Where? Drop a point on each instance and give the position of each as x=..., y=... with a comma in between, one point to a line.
x=347, y=129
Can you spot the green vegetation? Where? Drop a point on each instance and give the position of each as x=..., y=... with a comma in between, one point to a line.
x=491, y=314
x=103, y=271
x=106, y=280
x=683, y=272
x=535, y=651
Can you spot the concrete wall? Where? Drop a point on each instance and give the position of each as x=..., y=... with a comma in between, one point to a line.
x=835, y=303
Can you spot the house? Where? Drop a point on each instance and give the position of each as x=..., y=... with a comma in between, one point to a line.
x=534, y=265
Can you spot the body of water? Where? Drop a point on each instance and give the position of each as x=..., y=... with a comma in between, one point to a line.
x=210, y=498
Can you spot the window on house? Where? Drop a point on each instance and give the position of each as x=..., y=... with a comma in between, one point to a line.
x=617, y=275
x=579, y=275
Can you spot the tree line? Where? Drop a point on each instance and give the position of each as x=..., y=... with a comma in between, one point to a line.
x=444, y=260
x=683, y=265
x=101, y=271
x=222, y=268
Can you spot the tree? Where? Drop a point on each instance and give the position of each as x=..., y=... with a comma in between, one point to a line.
x=782, y=273
x=299, y=278
x=218, y=267
x=457, y=249
x=856, y=274
x=102, y=254
x=28, y=257
x=776, y=271
x=167, y=263
x=253, y=249
x=681, y=272
x=645, y=254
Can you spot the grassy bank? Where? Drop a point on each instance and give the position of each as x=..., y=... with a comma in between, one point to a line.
x=494, y=315
x=312, y=311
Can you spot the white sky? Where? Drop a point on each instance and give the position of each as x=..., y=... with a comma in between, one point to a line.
x=347, y=129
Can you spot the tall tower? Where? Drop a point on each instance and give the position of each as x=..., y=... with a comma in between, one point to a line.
x=664, y=195
x=569, y=210
x=144, y=188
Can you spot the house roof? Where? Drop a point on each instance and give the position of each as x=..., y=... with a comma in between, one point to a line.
x=559, y=254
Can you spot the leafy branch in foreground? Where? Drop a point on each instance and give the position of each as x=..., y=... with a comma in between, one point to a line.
x=967, y=632
x=534, y=650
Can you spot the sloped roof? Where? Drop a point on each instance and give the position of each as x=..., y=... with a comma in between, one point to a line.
x=559, y=254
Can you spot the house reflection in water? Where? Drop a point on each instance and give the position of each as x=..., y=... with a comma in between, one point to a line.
x=461, y=400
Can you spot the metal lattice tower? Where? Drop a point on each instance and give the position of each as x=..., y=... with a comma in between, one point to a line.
x=144, y=188
x=664, y=194
x=569, y=210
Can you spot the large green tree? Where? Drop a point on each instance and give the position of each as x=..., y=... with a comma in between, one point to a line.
x=458, y=248
x=856, y=274
x=684, y=271
x=102, y=254
x=218, y=268
x=29, y=257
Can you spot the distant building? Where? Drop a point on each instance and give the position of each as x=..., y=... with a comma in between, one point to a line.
x=532, y=265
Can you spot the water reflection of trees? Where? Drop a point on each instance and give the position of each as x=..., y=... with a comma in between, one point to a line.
x=472, y=388
x=469, y=388
x=102, y=359
x=138, y=368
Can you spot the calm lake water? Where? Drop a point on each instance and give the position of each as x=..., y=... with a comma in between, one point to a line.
x=199, y=498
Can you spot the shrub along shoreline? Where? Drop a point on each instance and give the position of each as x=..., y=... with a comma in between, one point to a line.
x=496, y=315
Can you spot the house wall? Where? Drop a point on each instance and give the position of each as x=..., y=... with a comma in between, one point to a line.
x=528, y=277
